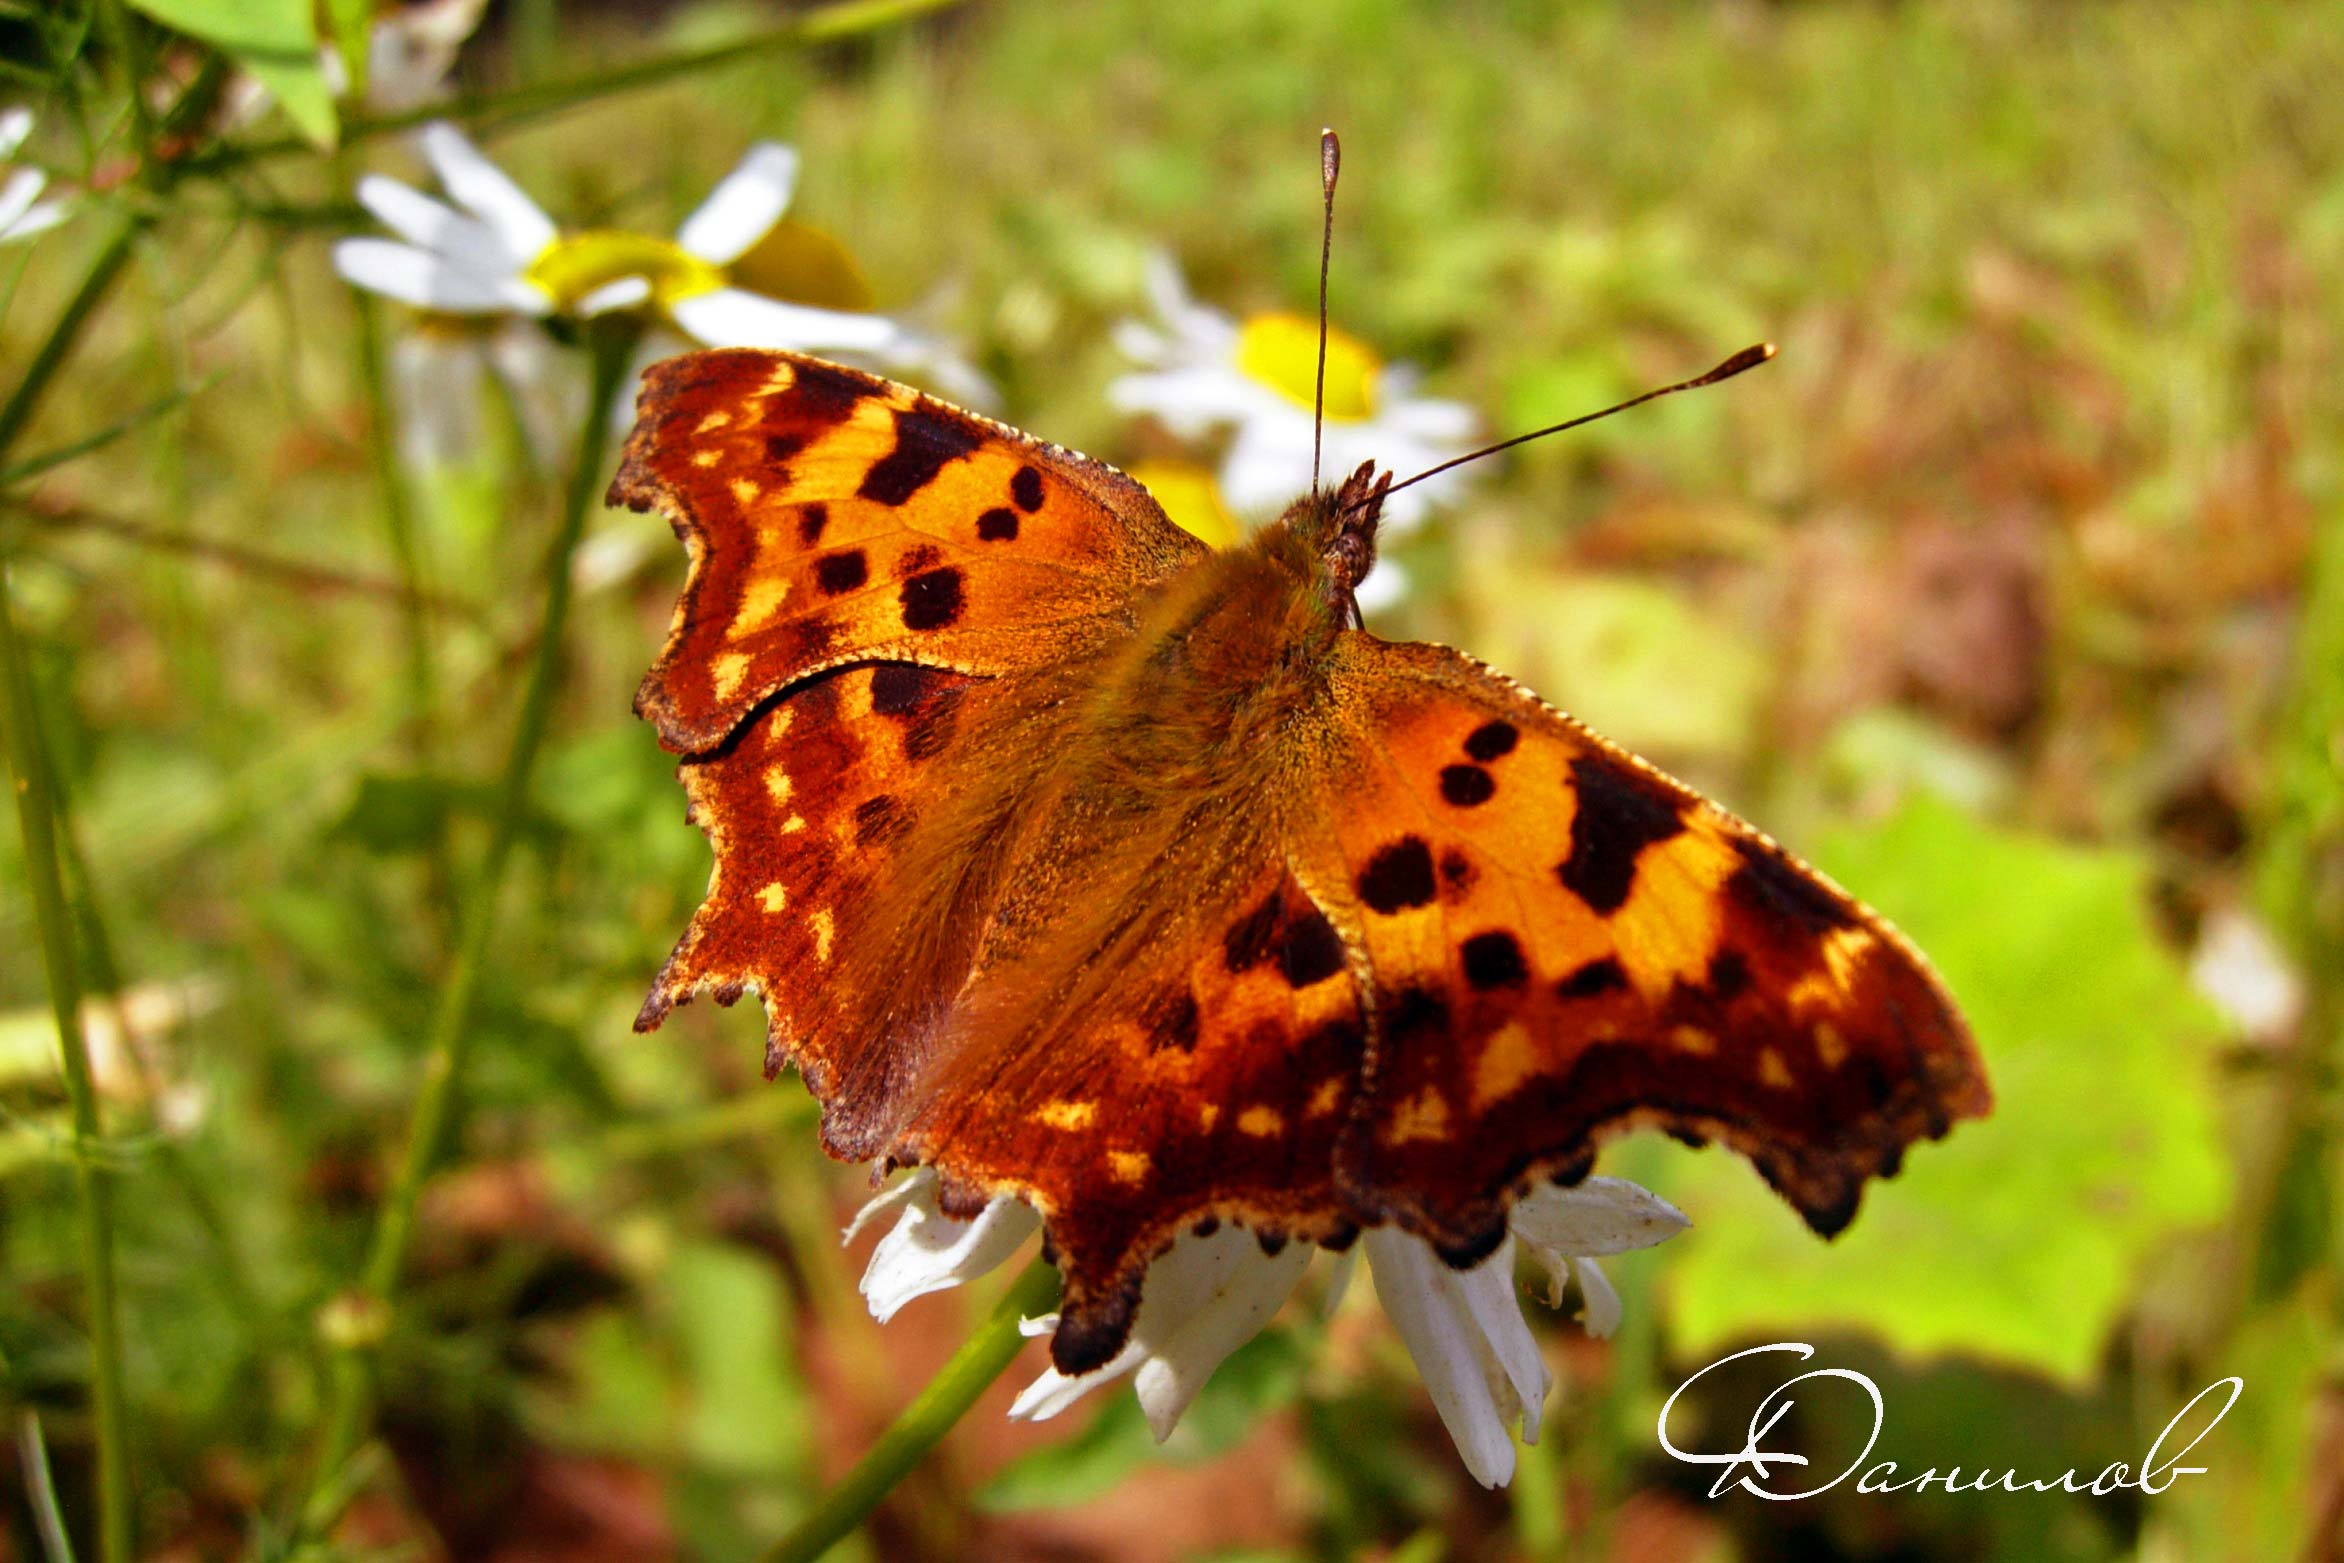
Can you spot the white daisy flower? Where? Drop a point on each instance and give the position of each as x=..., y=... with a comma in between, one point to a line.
x=1210, y=1293
x=496, y=252
x=410, y=50
x=1203, y=372
x=22, y=211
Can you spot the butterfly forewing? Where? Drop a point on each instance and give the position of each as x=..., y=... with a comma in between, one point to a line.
x=835, y=517
x=1561, y=942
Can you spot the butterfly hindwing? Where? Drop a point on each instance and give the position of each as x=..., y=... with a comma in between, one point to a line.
x=835, y=517
x=1563, y=943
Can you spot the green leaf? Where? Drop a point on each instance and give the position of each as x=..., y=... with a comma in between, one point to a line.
x=350, y=22
x=276, y=40
x=2019, y=1237
x=732, y=1319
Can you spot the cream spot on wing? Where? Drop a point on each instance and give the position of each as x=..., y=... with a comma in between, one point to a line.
x=745, y=491
x=759, y=604
x=1129, y=1166
x=773, y=897
x=1830, y=1046
x=1667, y=928
x=1260, y=1120
x=1507, y=1059
x=719, y=419
x=1692, y=1039
x=725, y=672
x=1063, y=1114
x=1326, y=1098
x=794, y=824
x=706, y=458
x=778, y=784
x=1843, y=952
x=1772, y=1070
x=823, y=928
x=1206, y=1116
x=1424, y=1116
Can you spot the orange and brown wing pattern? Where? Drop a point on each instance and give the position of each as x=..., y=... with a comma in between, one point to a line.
x=835, y=517
x=1563, y=943
x=807, y=809
x=1210, y=1082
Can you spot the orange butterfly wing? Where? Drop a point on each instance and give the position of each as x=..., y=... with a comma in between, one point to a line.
x=834, y=517
x=1562, y=943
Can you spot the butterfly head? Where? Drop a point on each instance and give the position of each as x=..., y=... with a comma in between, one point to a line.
x=1338, y=527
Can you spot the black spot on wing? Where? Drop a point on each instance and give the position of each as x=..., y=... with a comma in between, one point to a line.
x=1729, y=975
x=819, y=396
x=1780, y=893
x=878, y=821
x=811, y=520
x=1026, y=489
x=1398, y=876
x=1490, y=741
x=1312, y=951
x=932, y=600
x=1494, y=960
x=1173, y=1021
x=779, y=448
x=1593, y=980
x=1248, y=941
x=838, y=573
x=897, y=688
x=1414, y=1012
x=1619, y=813
x=1467, y=785
x=924, y=443
x=998, y=525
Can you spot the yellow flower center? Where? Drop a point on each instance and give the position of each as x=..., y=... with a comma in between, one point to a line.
x=576, y=264
x=1281, y=351
x=1190, y=497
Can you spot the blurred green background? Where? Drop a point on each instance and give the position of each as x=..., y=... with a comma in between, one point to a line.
x=2012, y=594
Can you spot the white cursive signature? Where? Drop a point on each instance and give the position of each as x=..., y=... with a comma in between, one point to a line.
x=2158, y=1471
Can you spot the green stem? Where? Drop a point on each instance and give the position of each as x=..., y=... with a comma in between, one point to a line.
x=36, y=818
x=364, y=1317
x=982, y=1358
x=18, y=410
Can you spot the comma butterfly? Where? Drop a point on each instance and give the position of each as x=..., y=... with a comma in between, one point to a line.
x=1087, y=864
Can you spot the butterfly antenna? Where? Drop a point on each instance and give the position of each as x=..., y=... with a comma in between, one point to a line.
x=1747, y=358
x=1330, y=164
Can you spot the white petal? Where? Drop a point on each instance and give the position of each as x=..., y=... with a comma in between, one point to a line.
x=1594, y=1216
x=1201, y=1300
x=15, y=125
x=1239, y=1305
x=416, y=277
x=918, y=1181
x=39, y=219
x=1193, y=399
x=484, y=190
x=467, y=242
x=1420, y=1295
x=744, y=206
x=1142, y=344
x=1424, y=418
x=17, y=194
x=1267, y=466
x=928, y=1251
x=734, y=317
x=1494, y=1304
x=625, y=293
x=1601, y=1313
